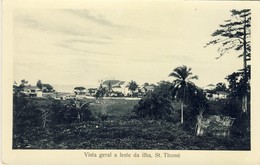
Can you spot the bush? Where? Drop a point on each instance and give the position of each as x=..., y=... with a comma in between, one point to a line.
x=28, y=112
x=153, y=106
x=25, y=114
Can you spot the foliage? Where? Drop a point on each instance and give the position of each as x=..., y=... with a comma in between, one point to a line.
x=24, y=113
x=39, y=84
x=164, y=88
x=220, y=87
x=237, y=83
x=101, y=92
x=80, y=90
x=182, y=86
x=109, y=88
x=123, y=134
x=114, y=130
x=154, y=106
x=132, y=86
x=23, y=83
x=234, y=33
x=29, y=112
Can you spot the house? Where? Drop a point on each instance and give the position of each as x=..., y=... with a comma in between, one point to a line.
x=219, y=95
x=117, y=86
x=32, y=91
x=146, y=88
x=149, y=88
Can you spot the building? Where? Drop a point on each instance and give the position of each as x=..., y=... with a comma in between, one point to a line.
x=219, y=95
x=117, y=86
x=32, y=91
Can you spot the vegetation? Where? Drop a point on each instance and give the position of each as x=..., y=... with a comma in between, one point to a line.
x=182, y=86
x=154, y=106
x=151, y=123
x=235, y=34
x=132, y=86
x=110, y=125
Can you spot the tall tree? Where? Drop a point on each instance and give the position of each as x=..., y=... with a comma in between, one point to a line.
x=235, y=34
x=220, y=87
x=101, y=92
x=182, y=85
x=132, y=86
x=109, y=88
x=39, y=84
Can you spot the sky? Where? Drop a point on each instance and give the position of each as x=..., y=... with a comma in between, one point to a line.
x=81, y=47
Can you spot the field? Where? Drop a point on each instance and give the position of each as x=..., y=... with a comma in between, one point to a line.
x=117, y=128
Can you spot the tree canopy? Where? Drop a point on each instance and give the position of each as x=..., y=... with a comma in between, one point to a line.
x=234, y=34
x=182, y=85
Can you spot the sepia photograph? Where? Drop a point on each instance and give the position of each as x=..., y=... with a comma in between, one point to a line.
x=86, y=79
x=129, y=76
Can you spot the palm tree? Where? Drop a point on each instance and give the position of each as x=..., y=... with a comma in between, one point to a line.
x=132, y=86
x=109, y=88
x=182, y=86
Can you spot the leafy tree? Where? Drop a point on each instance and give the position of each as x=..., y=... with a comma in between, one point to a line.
x=236, y=84
x=182, y=86
x=235, y=34
x=101, y=92
x=132, y=86
x=164, y=88
x=220, y=87
x=146, y=84
x=23, y=83
x=39, y=84
x=47, y=88
x=80, y=90
x=109, y=88
x=153, y=106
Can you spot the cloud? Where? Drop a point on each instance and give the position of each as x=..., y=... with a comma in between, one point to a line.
x=68, y=46
x=58, y=27
x=85, y=14
x=86, y=41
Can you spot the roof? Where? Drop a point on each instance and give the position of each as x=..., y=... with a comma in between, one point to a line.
x=116, y=86
x=121, y=82
x=150, y=87
x=112, y=82
x=211, y=85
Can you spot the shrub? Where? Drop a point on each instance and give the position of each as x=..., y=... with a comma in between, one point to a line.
x=153, y=106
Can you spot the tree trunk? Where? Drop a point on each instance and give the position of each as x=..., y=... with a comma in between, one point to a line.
x=244, y=103
x=244, y=99
x=181, y=111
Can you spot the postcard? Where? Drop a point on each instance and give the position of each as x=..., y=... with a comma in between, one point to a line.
x=135, y=82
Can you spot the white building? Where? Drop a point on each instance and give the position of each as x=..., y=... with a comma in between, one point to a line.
x=32, y=91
